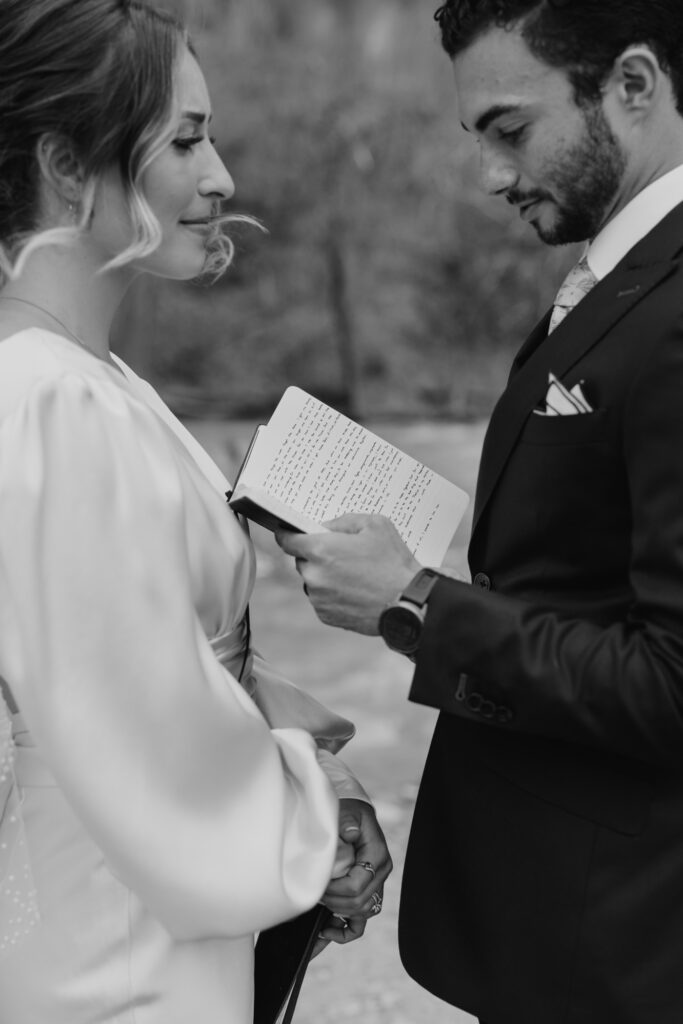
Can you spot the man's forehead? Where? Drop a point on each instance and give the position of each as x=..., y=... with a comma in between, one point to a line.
x=498, y=71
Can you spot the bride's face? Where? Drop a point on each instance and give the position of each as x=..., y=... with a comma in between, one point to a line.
x=181, y=187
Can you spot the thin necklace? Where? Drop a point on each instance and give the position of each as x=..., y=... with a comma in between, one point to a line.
x=69, y=332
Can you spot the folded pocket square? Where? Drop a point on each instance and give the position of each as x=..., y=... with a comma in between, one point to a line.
x=559, y=401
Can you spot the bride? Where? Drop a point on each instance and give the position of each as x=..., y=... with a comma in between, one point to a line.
x=164, y=794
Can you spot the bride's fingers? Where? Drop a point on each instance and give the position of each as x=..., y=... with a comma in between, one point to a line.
x=342, y=929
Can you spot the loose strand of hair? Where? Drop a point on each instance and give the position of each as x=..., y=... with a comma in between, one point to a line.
x=146, y=227
x=220, y=246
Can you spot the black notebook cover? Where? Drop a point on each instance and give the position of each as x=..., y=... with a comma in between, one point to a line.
x=281, y=957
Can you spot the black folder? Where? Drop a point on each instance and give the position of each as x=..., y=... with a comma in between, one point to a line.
x=282, y=955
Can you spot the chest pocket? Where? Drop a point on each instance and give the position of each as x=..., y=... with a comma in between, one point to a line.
x=583, y=428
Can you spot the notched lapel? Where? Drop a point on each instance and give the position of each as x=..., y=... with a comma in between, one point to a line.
x=586, y=325
x=536, y=338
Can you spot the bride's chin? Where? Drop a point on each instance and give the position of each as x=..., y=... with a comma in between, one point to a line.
x=184, y=267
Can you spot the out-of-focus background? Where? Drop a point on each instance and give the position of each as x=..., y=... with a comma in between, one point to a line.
x=388, y=286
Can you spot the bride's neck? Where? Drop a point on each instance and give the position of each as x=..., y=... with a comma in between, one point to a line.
x=58, y=284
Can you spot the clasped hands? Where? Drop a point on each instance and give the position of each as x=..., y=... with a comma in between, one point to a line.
x=352, y=572
x=363, y=865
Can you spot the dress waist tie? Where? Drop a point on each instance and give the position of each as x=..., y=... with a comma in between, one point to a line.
x=230, y=649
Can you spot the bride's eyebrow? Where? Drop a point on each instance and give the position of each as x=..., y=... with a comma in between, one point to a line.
x=196, y=117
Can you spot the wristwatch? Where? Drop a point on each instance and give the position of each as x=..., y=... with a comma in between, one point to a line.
x=400, y=625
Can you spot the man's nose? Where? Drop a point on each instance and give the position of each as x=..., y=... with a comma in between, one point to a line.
x=497, y=173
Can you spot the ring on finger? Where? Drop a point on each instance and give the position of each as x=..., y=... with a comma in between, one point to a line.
x=367, y=866
x=376, y=903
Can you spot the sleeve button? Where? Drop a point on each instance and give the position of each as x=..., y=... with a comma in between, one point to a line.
x=474, y=703
x=488, y=709
x=482, y=580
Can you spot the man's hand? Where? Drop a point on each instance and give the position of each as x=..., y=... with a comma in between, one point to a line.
x=357, y=895
x=352, y=573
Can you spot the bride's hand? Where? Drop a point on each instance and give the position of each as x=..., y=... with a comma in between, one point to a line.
x=363, y=864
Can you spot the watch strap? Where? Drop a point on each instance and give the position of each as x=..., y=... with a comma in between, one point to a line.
x=420, y=587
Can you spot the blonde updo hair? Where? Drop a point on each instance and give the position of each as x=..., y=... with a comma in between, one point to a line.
x=100, y=74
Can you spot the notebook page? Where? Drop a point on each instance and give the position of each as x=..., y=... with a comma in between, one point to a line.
x=322, y=464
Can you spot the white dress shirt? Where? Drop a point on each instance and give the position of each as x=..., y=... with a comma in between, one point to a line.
x=635, y=221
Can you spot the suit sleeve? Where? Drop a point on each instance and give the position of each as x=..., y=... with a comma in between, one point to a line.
x=617, y=687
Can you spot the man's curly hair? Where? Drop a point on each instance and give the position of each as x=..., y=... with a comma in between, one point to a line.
x=583, y=36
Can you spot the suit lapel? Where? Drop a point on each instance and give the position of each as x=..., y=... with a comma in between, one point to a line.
x=538, y=335
x=647, y=265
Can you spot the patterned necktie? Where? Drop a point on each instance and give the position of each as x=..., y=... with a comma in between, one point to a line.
x=575, y=287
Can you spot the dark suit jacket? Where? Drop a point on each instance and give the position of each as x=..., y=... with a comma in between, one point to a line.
x=544, y=875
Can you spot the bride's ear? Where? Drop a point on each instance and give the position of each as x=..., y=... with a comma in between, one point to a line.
x=61, y=173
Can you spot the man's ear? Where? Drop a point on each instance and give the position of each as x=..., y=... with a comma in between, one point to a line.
x=636, y=79
x=61, y=169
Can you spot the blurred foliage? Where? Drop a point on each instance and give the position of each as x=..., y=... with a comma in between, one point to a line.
x=387, y=284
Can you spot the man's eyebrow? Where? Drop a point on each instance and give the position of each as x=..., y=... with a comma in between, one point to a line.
x=492, y=114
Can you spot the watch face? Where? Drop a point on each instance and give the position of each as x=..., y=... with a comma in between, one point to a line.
x=401, y=628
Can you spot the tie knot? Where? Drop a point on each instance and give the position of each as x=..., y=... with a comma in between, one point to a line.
x=575, y=287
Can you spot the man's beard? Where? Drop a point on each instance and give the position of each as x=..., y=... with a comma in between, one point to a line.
x=585, y=181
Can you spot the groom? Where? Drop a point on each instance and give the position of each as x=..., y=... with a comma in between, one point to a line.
x=544, y=875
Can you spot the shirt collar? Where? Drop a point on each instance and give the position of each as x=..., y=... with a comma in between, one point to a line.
x=636, y=220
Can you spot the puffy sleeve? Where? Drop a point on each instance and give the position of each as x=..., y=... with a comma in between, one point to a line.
x=222, y=825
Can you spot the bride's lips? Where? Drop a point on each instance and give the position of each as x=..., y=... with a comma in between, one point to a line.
x=206, y=221
x=200, y=226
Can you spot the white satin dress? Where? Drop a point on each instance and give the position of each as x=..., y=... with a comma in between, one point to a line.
x=154, y=812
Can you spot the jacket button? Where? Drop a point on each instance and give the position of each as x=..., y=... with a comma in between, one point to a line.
x=474, y=703
x=503, y=715
x=482, y=580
